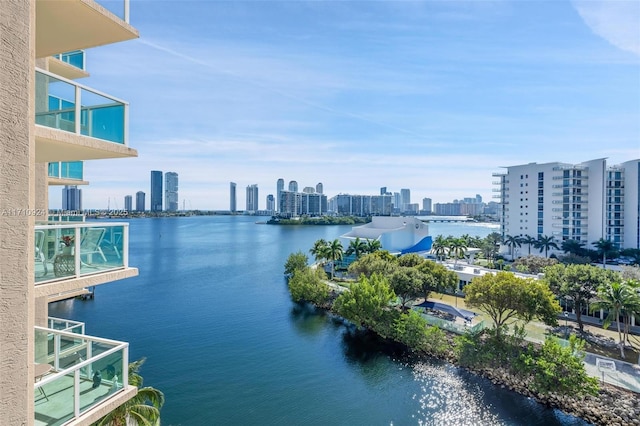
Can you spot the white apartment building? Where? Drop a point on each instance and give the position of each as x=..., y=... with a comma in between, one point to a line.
x=48, y=366
x=584, y=202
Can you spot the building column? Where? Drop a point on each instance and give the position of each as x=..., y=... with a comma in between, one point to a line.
x=17, y=154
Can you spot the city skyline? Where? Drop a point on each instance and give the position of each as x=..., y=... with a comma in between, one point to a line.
x=435, y=96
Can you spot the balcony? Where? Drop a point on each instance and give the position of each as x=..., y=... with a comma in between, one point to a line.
x=70, y=65
x=64, y=26
x=67, y=366
x=98, y=252
x=74, y=122
x=66, y=173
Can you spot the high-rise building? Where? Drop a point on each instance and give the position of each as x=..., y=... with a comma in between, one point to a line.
x=128, y=203
x=271, y=203
x=71, y=198
x=293, y=186
x=405, y=199
x=41, y=102
x=383, y=190
x=319, y=188
x=140, y=201
x=426, y=205
x=171, y=191
x=279, y=189
x=156, y=191
x=308, y=190
x=252, y=198
x=583, y=202
x=233, y=205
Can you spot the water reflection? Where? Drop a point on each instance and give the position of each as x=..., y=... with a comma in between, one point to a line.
x=307, y=319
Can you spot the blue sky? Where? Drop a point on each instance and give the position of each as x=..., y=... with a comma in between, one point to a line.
x=431, y=96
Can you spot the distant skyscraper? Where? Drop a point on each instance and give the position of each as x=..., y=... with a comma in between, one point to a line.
x=279, y=189
x=397, y=201
x=271, y=203
x=308, y=190
x=140, y=201
x=233, y=206
x=383, y=190
x=426, y=205
x=405, y=199
x=71, y=198
x=319, y=188
x=128, y=203
x=156, y=191
x=252, y=198
x=171, y=191
x=293, y=186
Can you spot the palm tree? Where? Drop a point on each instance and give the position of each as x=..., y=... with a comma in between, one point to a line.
x=573, y=247
x=373, y=245
x=457, y=248
x=617, y=298
x=512, y=242
x=356, y=247
x=529, y=241
x=606, y=248
x=545, y=243
x=439, y=247
x=143, y=409
x=319, y=249
x=334, y=251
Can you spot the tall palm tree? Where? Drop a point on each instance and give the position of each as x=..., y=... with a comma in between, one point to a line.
x=357, y=247
x=617, y=298
x=142, y=410
x=373, y=245
x=529, y=241
x=439, y=247
x=573, y=247
x=606, y=248
x=334, y=252
x=512, y=242
x=319, y=249
x=545, y=243
x=457, y=248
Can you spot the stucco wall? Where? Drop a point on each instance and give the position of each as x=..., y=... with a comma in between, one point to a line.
x=17, y=20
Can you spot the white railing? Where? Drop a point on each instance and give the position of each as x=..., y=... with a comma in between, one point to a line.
x=92, y=355
x=75, y=249
x=67, y=325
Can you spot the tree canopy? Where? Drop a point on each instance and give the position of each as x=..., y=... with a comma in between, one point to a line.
x=366, y=302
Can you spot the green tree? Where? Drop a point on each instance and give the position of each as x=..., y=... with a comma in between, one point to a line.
x=457, y=249
x=512, y=242
x=490, y=246
x=505, y=297
x=365, y=303
x=618, y=299
x=410, y=260
x=143, y=409
x=319, y=250
x=373, y=245
x=410, y=329
x=437, y=278
x=406, y=283
x=529, y=241
x=306, y=286
x=559, y=369
x=534, y=264
x=294, y=262
x=577, y=284
x=357, y=247
x=545, y=243
x=573, y=247
x=334, y=252
x=605, y=248
x=370, y=264
x=439, y=247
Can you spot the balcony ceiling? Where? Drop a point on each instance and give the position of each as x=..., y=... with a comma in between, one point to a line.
x=66, y=25
x=55, y=145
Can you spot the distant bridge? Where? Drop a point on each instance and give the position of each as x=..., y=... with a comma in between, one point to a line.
x=428, y=219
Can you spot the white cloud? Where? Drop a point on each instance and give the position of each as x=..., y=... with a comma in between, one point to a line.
x=618, y=21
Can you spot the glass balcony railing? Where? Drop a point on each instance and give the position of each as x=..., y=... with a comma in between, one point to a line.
x=74, y=250
x=70, y=326
x=66, y=170
x=66, y=105
x=75, y=58
x=74, y=373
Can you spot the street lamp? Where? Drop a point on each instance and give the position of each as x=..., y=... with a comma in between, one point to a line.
x=566, y=326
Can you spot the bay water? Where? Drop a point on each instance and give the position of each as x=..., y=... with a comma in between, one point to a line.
x=211, y=313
